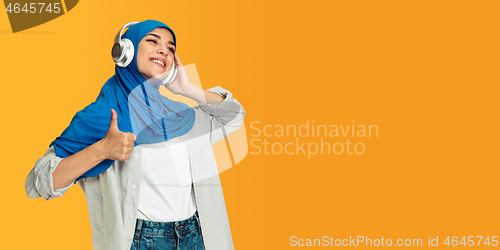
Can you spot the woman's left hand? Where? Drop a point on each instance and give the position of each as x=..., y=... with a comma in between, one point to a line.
x=181, y=84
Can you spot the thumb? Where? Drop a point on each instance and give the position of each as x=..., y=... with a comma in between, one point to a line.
x=114, y=121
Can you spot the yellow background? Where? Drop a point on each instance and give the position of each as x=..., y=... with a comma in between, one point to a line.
x=425, y=72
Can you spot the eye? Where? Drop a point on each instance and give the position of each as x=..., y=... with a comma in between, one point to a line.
x=171, y=50
x=152, y=40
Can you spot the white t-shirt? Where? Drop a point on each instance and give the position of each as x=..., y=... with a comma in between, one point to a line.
x=166, y=192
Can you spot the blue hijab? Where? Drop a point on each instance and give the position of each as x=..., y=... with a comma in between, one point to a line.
x=141, y=109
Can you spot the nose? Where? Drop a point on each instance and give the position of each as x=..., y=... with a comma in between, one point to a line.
x=161, y=51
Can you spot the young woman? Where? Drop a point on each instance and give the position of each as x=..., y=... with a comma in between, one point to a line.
x=144, y=162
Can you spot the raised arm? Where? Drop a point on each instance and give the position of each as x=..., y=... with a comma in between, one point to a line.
x=223, y=118
x=224, y=113
x=183, y=86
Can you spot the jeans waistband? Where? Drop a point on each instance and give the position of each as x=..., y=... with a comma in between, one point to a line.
x=166, y=228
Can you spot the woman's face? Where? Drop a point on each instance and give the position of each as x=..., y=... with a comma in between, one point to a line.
x=156, y=48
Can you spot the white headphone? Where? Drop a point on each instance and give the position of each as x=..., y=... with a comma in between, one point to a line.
x=123, y=53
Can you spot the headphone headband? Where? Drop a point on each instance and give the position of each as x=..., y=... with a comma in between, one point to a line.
x=119, y=36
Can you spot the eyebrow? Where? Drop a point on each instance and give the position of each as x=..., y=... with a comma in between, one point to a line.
x=159, y=37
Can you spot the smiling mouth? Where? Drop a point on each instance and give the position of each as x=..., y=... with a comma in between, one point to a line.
x=158, y=62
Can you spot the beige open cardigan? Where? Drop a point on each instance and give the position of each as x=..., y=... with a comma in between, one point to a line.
x=112, y=196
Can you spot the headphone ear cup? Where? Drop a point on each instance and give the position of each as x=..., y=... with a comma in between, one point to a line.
x=117, y=52
x=123, y=52
x=171, y=76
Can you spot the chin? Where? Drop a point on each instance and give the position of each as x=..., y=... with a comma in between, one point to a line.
x=157, y=77
x=154, y=79
x=162, y=74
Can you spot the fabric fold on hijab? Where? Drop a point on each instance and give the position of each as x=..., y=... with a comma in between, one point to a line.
x=140, y=107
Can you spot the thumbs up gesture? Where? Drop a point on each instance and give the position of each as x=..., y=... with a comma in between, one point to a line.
x=117, y=145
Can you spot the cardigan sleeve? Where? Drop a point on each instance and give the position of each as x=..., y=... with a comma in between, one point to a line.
x=39, y=182
x=225, y=117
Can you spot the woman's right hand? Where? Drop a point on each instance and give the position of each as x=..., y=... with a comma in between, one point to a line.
x=117, y=145
x=181, y=85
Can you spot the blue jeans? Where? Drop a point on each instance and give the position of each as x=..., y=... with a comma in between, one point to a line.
x=178, y=235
